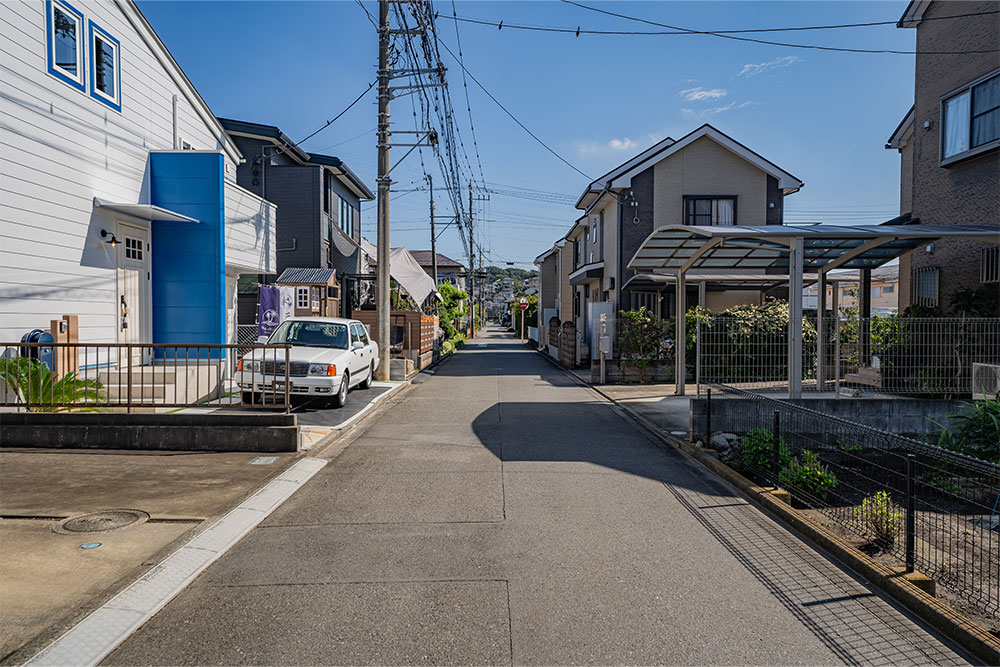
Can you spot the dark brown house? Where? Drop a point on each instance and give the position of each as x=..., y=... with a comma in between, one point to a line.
x=949, y=144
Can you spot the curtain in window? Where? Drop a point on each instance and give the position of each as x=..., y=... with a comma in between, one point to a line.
x=956, y=125
x=723, y=212
x=986, y=112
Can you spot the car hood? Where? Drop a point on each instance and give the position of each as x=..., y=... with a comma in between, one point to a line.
x=312, y=355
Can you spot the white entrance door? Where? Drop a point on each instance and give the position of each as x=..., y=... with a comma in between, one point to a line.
x=134, y=312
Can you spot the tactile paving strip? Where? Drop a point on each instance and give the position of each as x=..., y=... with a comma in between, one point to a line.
x=93, y=638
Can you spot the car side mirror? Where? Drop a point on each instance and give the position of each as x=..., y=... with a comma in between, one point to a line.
x=358, y=345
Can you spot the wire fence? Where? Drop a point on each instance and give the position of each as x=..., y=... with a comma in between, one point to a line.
x=57, y=377
x=891, y=355
x=915, y=504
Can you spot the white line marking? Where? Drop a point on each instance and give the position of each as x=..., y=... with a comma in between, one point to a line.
x=92, y=639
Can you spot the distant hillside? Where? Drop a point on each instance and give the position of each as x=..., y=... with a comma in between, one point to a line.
x=497, y=272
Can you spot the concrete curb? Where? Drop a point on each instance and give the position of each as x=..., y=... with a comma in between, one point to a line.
x=964, y=632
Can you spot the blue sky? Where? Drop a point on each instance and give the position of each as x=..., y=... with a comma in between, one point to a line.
x=596, y=100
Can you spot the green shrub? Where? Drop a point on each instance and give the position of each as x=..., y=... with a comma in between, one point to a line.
x=974, y=430
x=880, y=516
x=808, y=476
x=37, y=384
x=757, y=446
x=849, y=448
x=642, y=336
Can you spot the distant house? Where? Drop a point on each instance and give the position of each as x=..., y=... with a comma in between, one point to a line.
x=948, y=144
x=703, y=178
x=884, y=290
x=319, y=206
x=120, y=202
x=448, y=270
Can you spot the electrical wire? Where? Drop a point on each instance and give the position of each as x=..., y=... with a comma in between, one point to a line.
x=652, y=33
x=514, y=118
x=764, y=41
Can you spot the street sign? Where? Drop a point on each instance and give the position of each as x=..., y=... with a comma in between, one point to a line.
x=524, y=304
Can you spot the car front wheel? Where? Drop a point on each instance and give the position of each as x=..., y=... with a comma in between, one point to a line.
x=367, y=382
x=341, y=398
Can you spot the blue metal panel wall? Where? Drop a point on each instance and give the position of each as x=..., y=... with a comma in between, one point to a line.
x=188, y=259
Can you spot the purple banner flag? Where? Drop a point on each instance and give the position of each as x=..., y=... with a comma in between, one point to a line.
x=268, y=303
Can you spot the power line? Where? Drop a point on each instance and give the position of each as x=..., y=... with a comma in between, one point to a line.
x=764, y=41
x=468, y=104
x=513, y=117
x=654, y=33
x=335, y=118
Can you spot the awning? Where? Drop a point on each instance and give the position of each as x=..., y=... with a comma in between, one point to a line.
x=406, y=271
x=684, y=248
x=143, y=211
x=307, y=276
x=587, y=273
x=730, y=280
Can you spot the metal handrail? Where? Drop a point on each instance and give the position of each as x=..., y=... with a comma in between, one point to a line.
x=121, y=371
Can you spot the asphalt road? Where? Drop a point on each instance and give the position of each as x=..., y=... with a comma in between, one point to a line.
x=502, y=514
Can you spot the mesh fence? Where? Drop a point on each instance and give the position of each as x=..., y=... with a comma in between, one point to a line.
x=922, y=506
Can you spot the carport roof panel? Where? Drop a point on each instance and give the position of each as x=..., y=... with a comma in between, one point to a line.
x=736, y=246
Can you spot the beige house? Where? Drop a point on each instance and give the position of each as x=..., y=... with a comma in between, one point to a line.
x=703, y=178
x=884, y=290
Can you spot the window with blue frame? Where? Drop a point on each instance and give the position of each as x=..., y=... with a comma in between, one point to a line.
x=65, y=43
x=105, y=67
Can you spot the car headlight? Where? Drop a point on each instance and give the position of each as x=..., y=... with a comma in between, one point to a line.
x=325, y=370
x=248, y=365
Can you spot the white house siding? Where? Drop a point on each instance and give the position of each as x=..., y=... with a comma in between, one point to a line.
x=250, y=237
x=59, y=148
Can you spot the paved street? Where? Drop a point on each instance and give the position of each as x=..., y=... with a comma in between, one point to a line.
x=500, y=513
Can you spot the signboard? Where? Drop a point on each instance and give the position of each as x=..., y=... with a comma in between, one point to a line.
x=524, y=304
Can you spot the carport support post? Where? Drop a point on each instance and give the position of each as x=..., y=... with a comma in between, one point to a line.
x=680, y=335
x=865, y=315
x=821, y=333
x=795, y=318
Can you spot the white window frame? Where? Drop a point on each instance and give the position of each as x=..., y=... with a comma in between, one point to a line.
x=78, y=80
x=970, y=151
x=990, y=272
x=302, y=300
x=94, y=33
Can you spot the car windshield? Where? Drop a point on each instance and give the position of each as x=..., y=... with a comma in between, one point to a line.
x=311, y=334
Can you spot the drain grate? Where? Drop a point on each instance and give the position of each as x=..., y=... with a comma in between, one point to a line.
x=100, y=522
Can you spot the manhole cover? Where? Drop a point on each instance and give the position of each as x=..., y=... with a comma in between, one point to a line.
x=101, y=522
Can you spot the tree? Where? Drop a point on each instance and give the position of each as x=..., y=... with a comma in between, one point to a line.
x=642, y=336
x=453, y=308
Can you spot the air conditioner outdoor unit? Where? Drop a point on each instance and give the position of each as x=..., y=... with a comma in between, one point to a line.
x=985, y=381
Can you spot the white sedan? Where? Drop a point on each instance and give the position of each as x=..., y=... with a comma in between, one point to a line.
x=329, y=356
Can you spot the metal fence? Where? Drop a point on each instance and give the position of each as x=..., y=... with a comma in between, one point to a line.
x=56, y=377
x=892, y=355
x=918, y=505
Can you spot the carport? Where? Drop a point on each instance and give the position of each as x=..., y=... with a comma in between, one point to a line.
x=738, y=254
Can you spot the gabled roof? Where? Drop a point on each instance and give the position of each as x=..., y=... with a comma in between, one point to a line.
x=356, y=185
x=786, y=181
x=142, y=26
x=898, y=138
x=595, y=188
x=914, y=14
x=424, y=258
x=279, y=138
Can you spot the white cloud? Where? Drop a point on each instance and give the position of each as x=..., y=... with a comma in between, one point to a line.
x=622, y=144
x=712, y=111
x=753, y=69
x=701, y=94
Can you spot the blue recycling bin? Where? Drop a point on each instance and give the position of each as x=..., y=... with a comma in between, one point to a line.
x=42, y=352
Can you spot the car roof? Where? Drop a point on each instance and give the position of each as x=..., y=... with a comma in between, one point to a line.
x=329, y=320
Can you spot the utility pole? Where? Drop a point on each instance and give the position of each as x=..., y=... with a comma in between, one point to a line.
x=434, y=255
x=382, y=277
x=472, y=267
